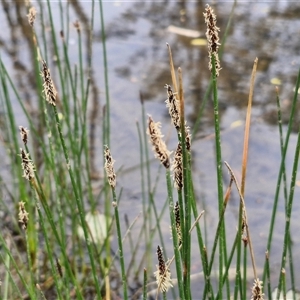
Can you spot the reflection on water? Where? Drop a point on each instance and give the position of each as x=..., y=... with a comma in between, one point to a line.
x=138, y=61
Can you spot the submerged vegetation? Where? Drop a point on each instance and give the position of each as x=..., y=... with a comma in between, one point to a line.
x=57, y=234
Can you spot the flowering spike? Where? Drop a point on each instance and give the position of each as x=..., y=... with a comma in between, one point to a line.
x=257, y=290
x=212, y=35
x=24, y=134
x=109, y=167
x=178, y=222
x=49, y=89
x=173, y=106
x=159, y=146
x=162, y=274
x=27, y=165
x=177, y=168
x=23, y=215
x=31, y=15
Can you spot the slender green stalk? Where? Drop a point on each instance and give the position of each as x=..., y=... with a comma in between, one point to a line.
x=268, y=276
x=289, y=211
x=79, y=203
x=106, y=131
x=186, y=197
x=121, y=253
x=285, y=190
x=17, y=268
x=217, y=236
x=278, y=184
x=237, y=238
x=174, y=237
x=145, y=285
x=238, y=279
x=219, y=169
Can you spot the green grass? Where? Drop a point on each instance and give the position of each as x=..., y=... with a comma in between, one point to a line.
x=65, y=251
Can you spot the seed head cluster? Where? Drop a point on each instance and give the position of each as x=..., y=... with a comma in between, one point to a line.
x=212, y=35
x=162, y=274
x=159, y=147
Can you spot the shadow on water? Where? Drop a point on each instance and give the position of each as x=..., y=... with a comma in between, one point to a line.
x=138, y=61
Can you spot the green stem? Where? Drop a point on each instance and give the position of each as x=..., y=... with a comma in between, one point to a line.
x=174, y=237
x=79, y=204
x=121, y=253
x=219, y=168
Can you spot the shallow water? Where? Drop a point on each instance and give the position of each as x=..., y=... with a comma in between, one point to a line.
x=137, y=33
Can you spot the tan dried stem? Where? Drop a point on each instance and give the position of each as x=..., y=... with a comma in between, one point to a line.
x=245, y=219
x=172, y=69
x=247, y=128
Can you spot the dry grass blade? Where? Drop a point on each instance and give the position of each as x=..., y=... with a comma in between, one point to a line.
x=173, y=75
x=246, y=218
x=247, y=128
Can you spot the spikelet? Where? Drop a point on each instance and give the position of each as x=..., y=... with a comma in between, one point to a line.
x=174, y=108
x=24, y=134
x=49, y=89
x=27, y=165
x=109, y=167
x=177, y=168
x=23, y=215
x=159, y=147
x=257, y=290
x=212, y=35
x=162, y=274
x=31, y=15
x=178, y=222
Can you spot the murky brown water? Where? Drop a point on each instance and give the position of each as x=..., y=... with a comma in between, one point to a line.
x=137, y=33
